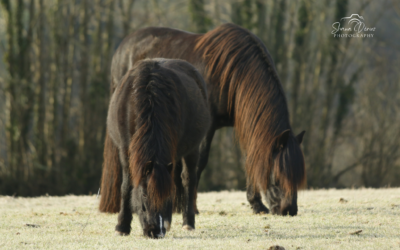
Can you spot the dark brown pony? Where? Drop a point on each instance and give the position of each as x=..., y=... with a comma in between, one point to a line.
x=244, y=91
x=157, y=116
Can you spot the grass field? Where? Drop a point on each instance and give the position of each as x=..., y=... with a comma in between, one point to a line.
x=325, y=220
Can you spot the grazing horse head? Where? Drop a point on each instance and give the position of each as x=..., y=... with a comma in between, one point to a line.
x=287, y=166
x=153, y=146
x=154, y=219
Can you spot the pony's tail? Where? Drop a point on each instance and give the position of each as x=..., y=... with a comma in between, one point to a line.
x=111, y=179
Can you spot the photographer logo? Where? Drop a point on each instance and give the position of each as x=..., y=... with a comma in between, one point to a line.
x=352, y=26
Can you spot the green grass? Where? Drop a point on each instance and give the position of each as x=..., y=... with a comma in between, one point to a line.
x=225, y=222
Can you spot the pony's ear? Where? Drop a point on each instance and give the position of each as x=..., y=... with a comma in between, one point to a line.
x=299, y=137
x=281, y=140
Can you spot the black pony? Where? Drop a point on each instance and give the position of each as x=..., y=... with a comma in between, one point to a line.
x=157, y=116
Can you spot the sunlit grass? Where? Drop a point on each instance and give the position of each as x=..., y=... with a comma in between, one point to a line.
x=225, y=222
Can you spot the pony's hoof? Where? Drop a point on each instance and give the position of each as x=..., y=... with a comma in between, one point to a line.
x=118, y=233
x=188, y=228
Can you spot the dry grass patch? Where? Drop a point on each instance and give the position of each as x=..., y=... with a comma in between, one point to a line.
x=369, y=219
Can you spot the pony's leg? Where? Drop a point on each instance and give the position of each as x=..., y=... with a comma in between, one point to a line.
x=179, y=191
x=204, y=153
x=189, y=184
x=254, y=198
x=125, y=214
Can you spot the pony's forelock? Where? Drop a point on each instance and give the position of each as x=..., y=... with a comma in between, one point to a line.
x=289, y=167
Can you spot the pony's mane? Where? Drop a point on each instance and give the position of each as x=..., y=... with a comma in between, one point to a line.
x=239, y=62
x=156, y=117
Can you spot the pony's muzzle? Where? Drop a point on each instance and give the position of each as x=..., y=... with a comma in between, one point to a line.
x=289, y=207
x=157, y=231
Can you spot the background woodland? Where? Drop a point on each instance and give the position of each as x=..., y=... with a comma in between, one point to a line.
x=54, y=87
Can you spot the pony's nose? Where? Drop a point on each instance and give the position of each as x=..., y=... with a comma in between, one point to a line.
x=156, y=234
x=160, y=235
x=289, y=207
x=156, y=230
